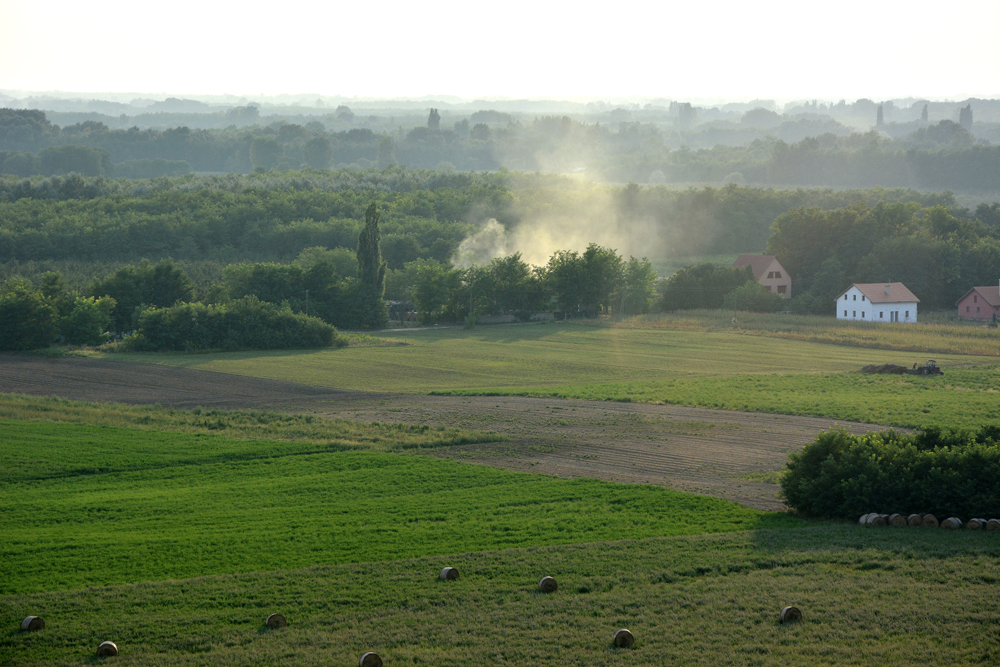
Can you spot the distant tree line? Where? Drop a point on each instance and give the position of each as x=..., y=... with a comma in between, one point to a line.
x=938, y=256
x=803, y=151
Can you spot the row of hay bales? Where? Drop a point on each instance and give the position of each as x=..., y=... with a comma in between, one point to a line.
x=874, y=520
x=622, y=638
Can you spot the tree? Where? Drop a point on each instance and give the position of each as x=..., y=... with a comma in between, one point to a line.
x=132, y=287
x=965, y=117
x=879, y=120
x=27, y=319
x=80, y=159
x=640, y=287
x=753, y=297
x=702, y=286
x=923, y=114
x=371, y=267
x=318, y=153
x=265, y=152
x=87, y=322
x=434, y=119
x=386, y=156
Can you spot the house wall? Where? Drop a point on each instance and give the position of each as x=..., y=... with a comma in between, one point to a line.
x=859, y=309
x=974, y=307
x=776, y=279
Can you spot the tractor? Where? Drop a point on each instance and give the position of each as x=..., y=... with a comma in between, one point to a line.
x=930, y=367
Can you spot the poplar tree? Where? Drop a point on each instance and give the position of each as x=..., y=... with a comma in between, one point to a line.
x=371, y=268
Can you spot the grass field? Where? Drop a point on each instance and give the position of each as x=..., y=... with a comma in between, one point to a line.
x=546, y=355
x=965, y=397
x=787, y=364
x=95, y=506
x=885, y=597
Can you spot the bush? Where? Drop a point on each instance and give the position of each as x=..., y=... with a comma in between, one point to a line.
x=753, y=297
x=244, y=324
x=949, y=473
x=27, y=320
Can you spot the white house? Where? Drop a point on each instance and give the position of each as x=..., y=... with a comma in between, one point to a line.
x=877, y=302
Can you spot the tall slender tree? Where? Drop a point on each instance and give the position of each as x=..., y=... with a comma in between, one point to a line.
x=371, y=268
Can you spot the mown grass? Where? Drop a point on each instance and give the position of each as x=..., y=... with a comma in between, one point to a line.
x=962, y=398
x=546, y=355
x=94, y=506
x=339, y=434
x=937, y=336
x=869, y=597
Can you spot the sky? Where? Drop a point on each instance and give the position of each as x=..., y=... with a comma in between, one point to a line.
x=512, y=49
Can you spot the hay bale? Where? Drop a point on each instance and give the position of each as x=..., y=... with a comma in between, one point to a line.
x=548, y=585
x=276, y=621
x=624, y=639
x=975, y=524
x=876, y=520
x=993, y=524
x=107, y=650
x=914, y=521
x=952, y=523
x=32, y=623
x=930, y=521
x=370, y=659
x=897, y=520
x=448, y=574
x=790, y=615
x=864, y=519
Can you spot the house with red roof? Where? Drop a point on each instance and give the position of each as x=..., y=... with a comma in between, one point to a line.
x=767, y=271
x=980, y=303
x=877, y=302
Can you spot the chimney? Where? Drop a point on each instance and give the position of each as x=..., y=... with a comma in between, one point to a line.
x=887, y=289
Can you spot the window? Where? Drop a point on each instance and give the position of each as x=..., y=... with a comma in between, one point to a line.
x=845, y=313
x=862, y=297
x=770, y=274
x=854, y=297
x=907, y=314
x=977, y=309
x=777, y=274
x=975, y=298
x=845, y=299
x=862, y=314
x=880, y=314
x=854, y=313
x=966, y=309
x=782, y=289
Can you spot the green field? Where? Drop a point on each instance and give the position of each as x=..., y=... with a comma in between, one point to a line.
x=94, y=506
x=764, y=368
x=885, y=597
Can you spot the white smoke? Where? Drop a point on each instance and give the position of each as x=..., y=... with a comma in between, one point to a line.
x=484, y=246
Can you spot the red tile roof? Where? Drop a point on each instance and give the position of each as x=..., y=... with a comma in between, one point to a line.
x=757, y=263
x=990, y=294
x=876, y=292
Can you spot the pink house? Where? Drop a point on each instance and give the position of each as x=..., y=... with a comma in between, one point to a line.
x=980, y=303
x=768, y=271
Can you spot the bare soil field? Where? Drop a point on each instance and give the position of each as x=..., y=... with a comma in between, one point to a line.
x=728, y=454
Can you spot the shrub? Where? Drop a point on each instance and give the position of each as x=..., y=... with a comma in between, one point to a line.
x=243, y=324
x=27, y=320
x=950, y=473
x=754, y=297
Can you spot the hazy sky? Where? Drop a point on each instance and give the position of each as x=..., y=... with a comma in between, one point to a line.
x=537, y=49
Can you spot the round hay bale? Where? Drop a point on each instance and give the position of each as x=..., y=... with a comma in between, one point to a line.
x=32, y=623
x=548, y=585
x=930, y=521
x=877, y=520
x=107, y=650
x=370, y=659
x=448, y=574
x=993, y=524
x=975, y=524
x=864, y=519
x=791, y=615
x=897, y=520
x=952, y=523
x=914, y=521
x=276, y=621
x=624, y=639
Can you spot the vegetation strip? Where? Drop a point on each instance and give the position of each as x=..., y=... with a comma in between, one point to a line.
x=888, y=597
x=84, y=505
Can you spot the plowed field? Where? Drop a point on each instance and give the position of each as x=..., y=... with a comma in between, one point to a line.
x=727, y=454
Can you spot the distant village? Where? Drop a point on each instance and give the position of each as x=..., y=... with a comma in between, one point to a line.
x=874, y=302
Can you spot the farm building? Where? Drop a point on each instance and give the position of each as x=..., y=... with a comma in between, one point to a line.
x=768, y=271
x=877, y=302
x=980, y=303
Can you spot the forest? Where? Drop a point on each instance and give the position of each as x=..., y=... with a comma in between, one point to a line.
x=762, y=148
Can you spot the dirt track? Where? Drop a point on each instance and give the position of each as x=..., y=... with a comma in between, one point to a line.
x=716, y=452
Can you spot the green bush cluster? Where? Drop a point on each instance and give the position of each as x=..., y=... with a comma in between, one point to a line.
x=33, y=318
x=243, y=324
x=945, y=472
